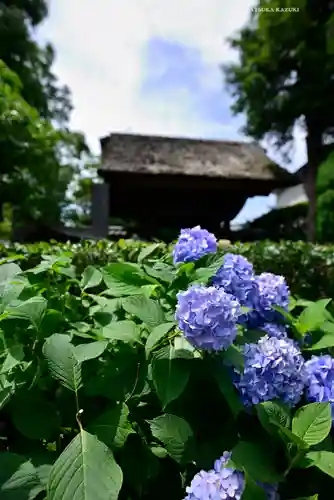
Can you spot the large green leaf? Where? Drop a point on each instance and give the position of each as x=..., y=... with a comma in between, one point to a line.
x=256, y=461
x=323, y=460
x=147, y=251
x=175, y=434
x=156, y=335
x=8, y=271
x=91, y=350
x=33, y=416
x=19, y=479
x=313, y=422
x=91, y=277
x=86, y=470
x=271, y=413
x=170, y=374
x=32, y=310
x=113, y=426
x=125, y=331
x=62, y=362
x=123, y=279
x=13, y=355
x=147, y=310
x=313, y=316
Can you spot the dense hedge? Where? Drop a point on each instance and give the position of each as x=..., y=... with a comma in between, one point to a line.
x=309, y=269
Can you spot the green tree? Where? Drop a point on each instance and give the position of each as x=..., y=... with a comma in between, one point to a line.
x=37, y=160
x=285, y=76
x=31, y=62
x=325, y=200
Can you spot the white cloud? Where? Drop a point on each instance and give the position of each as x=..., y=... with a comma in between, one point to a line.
x=100, y=49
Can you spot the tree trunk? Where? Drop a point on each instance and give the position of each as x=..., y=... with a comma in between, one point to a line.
x=314, y=156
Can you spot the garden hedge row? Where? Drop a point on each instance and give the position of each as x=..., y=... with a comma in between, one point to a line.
x=309, y=269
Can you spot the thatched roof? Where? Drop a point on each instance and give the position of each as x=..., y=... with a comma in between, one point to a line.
x=192, y=157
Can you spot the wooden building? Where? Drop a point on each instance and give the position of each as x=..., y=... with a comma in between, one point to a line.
x=168, y=183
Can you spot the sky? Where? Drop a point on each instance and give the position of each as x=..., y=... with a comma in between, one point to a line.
x=152, y=67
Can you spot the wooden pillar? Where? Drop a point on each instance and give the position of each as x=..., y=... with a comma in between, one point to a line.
x=100, y=210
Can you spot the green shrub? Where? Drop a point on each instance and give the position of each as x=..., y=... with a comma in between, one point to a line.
x=102, y=397
x=308, y=268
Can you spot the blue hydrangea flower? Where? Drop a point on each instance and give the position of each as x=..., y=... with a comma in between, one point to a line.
x=270, y=290
x=320, y=383
x=273, y=369
x=193, y=244
x=207, y=316
x=235, y=276
x=274, y=330
x=222, y=483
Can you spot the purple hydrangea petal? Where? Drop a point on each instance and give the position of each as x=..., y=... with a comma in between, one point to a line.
x=273, y=369
x=235, y=276
x=269, y=291
x=320, y=382
x=193, y=244
x=274, y=330
x=208, y=316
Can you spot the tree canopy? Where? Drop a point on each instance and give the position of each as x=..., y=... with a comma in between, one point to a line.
x=285, y=77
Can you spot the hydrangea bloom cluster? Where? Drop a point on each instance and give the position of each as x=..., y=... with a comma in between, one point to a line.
x=235, y=276
x=208, y=317
x=273, y=369
x=270, y=291
x=222, y=483
x=259, y=293
x=320, y=383
x=193, y=244
x=274, y=330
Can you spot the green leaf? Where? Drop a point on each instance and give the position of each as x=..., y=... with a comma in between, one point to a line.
x=291, y=437
x=91, y=277
x=113, y=426
x=8, y=271
x=233, y=356
x=326, y=341
x=175, y=434
x=92, y=350
x=86, y=470
x=14, y=355
x=125, y=331
x=32, y=310
x=123, y=279
x=313, y=422
x=147, y=310
x=252, y=491
x=313, y=316
x=147, y=251
x=273, y=411
x=170, y=374
x=225, y=384
x=156, y=335
x=256, y=461
x=18, y=478
x=62, y=363
x=323, y=460
x=34, y=416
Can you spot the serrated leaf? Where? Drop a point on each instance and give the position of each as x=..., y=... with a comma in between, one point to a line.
x=147, y=310
x=18, y=478
x=91, y=278
x=175, y=434
x=323, y=460
x=256, y=461
x=170, y=374
x=32, y=310
x=62, y=362
x=113, y=426
x=33, y=416
x=125, y=331
x=86, y=470
x=313, y=422
x=156, y=335
x=123, y=279
x=92, y=350
x=147, y=251
x=270, y=412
